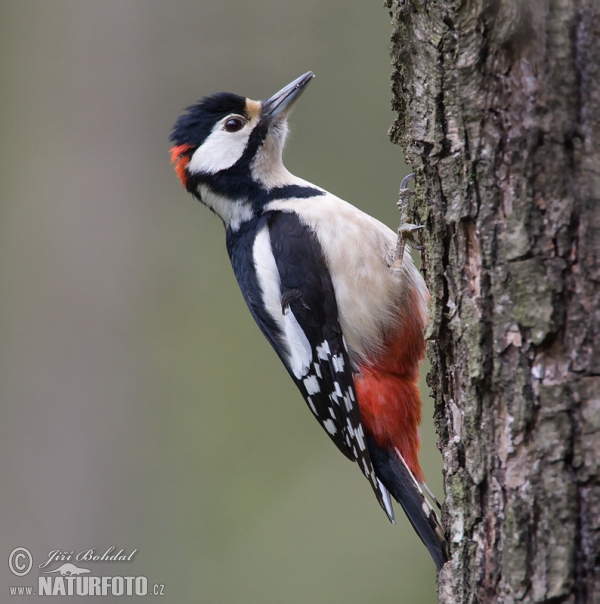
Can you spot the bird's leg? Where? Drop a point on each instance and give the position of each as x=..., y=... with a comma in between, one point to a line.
x=406, y=229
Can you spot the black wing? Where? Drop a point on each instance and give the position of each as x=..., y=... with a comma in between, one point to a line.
x=308, y=302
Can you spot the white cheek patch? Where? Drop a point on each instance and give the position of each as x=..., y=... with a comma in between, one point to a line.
x=299, y=353
x=220, y=150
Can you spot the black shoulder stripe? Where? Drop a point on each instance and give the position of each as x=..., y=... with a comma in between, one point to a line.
x=237, y=183
x=291, y=191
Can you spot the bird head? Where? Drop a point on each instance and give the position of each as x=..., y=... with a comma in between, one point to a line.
x=230, y=147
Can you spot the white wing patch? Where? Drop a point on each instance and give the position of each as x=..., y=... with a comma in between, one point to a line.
x=298, y=350
x=301, y=353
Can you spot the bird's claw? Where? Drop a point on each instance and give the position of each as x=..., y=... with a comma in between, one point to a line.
x=404, y=195
x=406, y=230
x=405, y=181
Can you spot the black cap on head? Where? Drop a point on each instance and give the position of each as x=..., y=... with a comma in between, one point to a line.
x=193, y=127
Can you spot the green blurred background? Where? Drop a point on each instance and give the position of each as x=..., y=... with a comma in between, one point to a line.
x=141, y=407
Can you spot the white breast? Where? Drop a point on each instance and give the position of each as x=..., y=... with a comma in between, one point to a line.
x=359, y=250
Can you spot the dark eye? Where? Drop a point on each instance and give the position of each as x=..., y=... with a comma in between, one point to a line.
x=233, y=124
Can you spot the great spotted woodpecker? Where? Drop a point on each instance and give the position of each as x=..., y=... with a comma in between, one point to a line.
x=319, y=276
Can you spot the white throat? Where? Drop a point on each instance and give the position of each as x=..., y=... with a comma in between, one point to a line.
x=233, y=213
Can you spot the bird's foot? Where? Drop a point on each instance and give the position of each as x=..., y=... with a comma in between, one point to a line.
x=406, y=230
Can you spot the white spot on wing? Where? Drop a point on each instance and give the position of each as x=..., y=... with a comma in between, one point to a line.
x=359, y=434
x=338, y=363
x=312, y=384
x=323, y=350
x=329, y=426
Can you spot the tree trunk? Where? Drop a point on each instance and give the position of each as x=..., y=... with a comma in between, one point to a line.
x=498, y=104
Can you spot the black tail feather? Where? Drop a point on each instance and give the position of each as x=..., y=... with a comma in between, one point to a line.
x=399, y=481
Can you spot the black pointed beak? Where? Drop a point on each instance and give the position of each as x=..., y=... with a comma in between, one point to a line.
x=282, y=101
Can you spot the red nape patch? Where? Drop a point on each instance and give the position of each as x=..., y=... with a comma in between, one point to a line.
x=181, y=158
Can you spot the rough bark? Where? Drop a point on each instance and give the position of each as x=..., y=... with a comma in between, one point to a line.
x=499, y=114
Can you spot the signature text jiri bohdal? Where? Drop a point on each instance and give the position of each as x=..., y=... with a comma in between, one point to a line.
x=89, y=555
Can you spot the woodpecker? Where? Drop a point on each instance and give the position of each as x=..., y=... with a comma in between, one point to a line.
x=320, y=278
